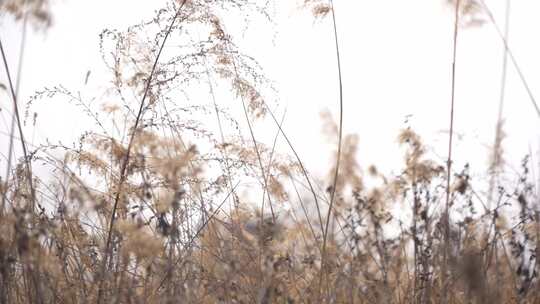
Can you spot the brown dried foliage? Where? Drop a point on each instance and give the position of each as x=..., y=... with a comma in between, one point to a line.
x=185, y=231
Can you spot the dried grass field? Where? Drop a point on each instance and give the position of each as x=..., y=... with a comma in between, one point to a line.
x=171, y=200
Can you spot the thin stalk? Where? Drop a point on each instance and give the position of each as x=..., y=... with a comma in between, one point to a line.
x=13, y=120
x=222, y=150
x=300, y=163
x=14, y=93
x=512, y=58
x=271, y=158
x=340, y=135
x=19, y=127
x=444, y=292
x=496, y=161
x=252, y=135
x=259, y=159
x=123, y=169
x=194, y=238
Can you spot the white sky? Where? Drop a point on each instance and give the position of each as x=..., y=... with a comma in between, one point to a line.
x=396, y=59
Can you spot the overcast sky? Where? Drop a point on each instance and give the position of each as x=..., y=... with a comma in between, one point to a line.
x=396, y=59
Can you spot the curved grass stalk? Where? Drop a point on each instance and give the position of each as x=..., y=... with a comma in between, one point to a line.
x=340, y=136
x=444, y=278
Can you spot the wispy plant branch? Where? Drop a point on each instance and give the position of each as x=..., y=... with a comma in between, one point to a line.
x=125, y=163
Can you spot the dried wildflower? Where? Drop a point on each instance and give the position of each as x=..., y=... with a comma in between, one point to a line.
x=372, y=169
x=37, y=10
x=164, y=201
x=141, y=243
x=471, y=12
x=255, y=102
x=461, y=184
x=319, y=8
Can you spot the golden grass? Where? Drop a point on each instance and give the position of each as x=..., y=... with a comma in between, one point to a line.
x=144, y=216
